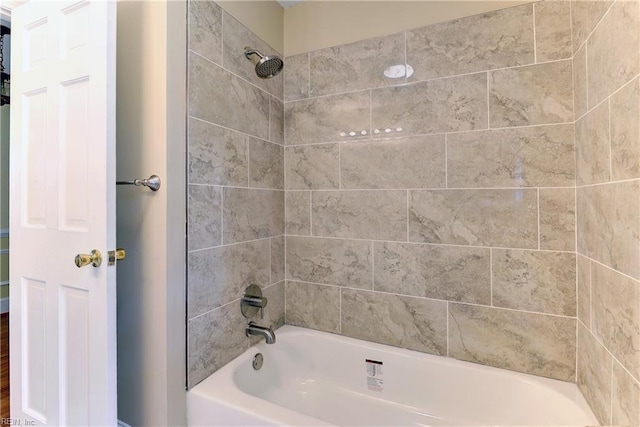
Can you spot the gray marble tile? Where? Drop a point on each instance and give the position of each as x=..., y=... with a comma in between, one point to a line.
x=274, y=311
x=312, y=167
x=276, y=121
x=626, y=398
x=205, y=29
x=557, y=219
x=245, y=107
x=356, y=66
x=277, y=259
x=585, y=14
x=505, y=218
x=580, y=105
x=220, y=275
x=608, y=226
x=415, y=162
x=325, y=119
x=266, y=164
x=525, y=342
x=380, y=214
x=525, y=157
x=584, y=290
x=616, y=315
x=236, y=37
x=298, y=216
x=594, y=375
x=205, y=216
x=296, y=77
x=412, y=323
x=440, y=272
x=613, y=56
x=217, y=155
x=592, y=146
x=625, y=132
x=313, y=306
x=553, y=30
x=250, y=214
x=499, y=39
x=444, y=105
x=544, y=282
x=214, y=339
x=330, y=261
x=531, y=95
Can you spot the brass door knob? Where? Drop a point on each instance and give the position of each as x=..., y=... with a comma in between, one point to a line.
x=117, y=255
x=95, y=259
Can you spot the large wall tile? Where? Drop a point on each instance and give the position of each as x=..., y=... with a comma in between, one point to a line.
x=250, y=214
x=585, y=14
x=608, y=226
x=313, y=306
x=525, y=342
x=205, y=29
x=220, y=275
x=266, y=164
x=217, y=155
x=236, y=37
x=245, y=107
x=324, y=119
x=380, y=215
x=616, y=314
x=413, y=323
x=417, y=162
x=553, y=30
x=441, y=272
x=444, y=105
x=531, y=95
x=506, y=218
x=330, y=261
x=592, y=146
x=626, y=398
x=205, y=216
x=298, y=213
x=524, y=157
x=499, y=39
x=557, y=219
x=580, y=104
x=312, y=167
x=613, y=56
x=277, y=259
x=584, y=290
x=544, y=282
x=356, y=66
x=214, y=339
x=594, y=375
x=296, y=77
x=276, y=117
x=625, y=132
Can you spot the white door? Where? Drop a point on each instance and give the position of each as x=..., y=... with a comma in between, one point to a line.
x=63, y=318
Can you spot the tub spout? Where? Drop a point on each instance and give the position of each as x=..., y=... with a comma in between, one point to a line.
x=261, y=331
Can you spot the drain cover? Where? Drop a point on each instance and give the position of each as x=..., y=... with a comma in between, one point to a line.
x=258, y=359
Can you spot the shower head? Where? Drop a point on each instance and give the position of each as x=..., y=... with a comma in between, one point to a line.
x=266, y=66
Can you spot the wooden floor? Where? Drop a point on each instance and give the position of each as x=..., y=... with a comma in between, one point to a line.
x=4, y=365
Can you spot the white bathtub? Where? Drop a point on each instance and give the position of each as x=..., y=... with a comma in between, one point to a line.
x=315, y=378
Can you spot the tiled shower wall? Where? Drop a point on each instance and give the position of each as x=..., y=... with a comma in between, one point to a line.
x=607, y=109
x=437, y=213
x=236, y=188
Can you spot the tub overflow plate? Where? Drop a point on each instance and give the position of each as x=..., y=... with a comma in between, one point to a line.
x=258, y=359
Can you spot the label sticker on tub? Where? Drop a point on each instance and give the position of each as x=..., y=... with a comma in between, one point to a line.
x=374, y=375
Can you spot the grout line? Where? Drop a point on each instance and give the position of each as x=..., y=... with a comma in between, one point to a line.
x=339, y=166
x=448, y=329
x=310, y=213
x=373, y=266
x=446, y=160
x=535, y=41
x=611, y=395
x=610, y=140
x=225, y=245
x=406, y=79
x=237, y=187
x=407, y=216
x=356, y=239
x=270, y=261
x=308, y=77
x=594, y=27
x=234, y=130
x=340, y=310
x=590, y=296
x=431, y=188
x=636, y=280
x=491, y=275
x=539, y=231
x=221, y=218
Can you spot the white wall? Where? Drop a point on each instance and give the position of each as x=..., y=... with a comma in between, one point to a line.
x=151, y=115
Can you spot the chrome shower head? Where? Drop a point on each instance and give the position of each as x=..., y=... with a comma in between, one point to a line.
x=266, y=66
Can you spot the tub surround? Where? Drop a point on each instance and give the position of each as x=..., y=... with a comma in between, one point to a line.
x=236, y=189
